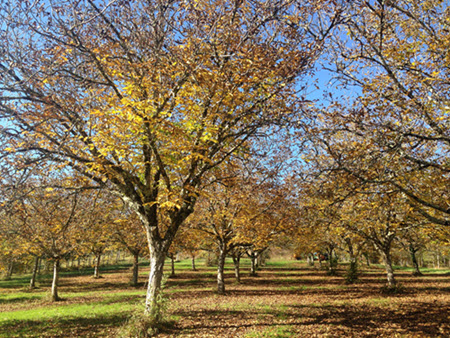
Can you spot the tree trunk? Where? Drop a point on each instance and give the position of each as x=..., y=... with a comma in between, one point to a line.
x=134, y=279
x=172, y=265
x=389, y=270
x=220, y=272
x=253, y=266
x=415, y=264
x=34, y=273
x=331, y=262
x=352, y=272
x=55, y=296
x=366, y=256
x=97, y=266
x=193, y=263
x=152, y=305
x=10, y=269
x=237, y=273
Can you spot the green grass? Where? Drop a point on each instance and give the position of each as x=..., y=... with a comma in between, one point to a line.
x=275, y=331
x=106, y=312
x=98, y=309
x=59, y=311
x=17, y=297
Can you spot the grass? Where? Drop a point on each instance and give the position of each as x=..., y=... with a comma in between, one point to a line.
x=276, y=331
x=287, y=299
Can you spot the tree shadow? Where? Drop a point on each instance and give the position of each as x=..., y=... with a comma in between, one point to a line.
x=424, y=319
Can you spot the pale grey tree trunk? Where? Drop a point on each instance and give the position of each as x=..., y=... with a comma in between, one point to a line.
x=157, y=257
x=220, y=271
x=389, y=270
x=55, y=281
x=97, y=265
x=237, y=273
x=253, y=266
x=34, y=273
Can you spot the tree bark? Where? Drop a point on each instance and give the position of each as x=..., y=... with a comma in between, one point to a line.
x=10, y=269
x=331, y=262
x=389, y=270
x=157, y=258
x=415, y=264
x=97, y=265
x=134, y=278
x=220, y=271
x=55, y=296
x=193, y=263
x=34, y=273
x=237, y=273
x=253, y=266
x=172, y=265
x=366, y=256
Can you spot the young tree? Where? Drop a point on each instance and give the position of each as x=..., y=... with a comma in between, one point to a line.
x=47, y=223
x=127, y=232
x=97, y=231
x=149, y=96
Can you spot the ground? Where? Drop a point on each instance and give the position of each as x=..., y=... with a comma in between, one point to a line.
x=286, y=299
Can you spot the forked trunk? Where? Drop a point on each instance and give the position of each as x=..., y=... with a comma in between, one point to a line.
x=34, y=274
x=415, y=264
x=134, y=278
x=220, y=272
x=152, y=307
x=55, y=296
x=97, y=266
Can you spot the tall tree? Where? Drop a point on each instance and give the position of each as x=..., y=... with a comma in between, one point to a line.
x=149, y=96
x=396, y=53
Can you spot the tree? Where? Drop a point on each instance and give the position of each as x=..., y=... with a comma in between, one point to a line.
x=46, y=221
x=148, y=97
x=97, y=231
x=241, y=213
x=395, y=53
x=127, y=232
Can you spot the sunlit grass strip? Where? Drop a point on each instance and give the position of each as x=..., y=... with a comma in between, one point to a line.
x=72, y=311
